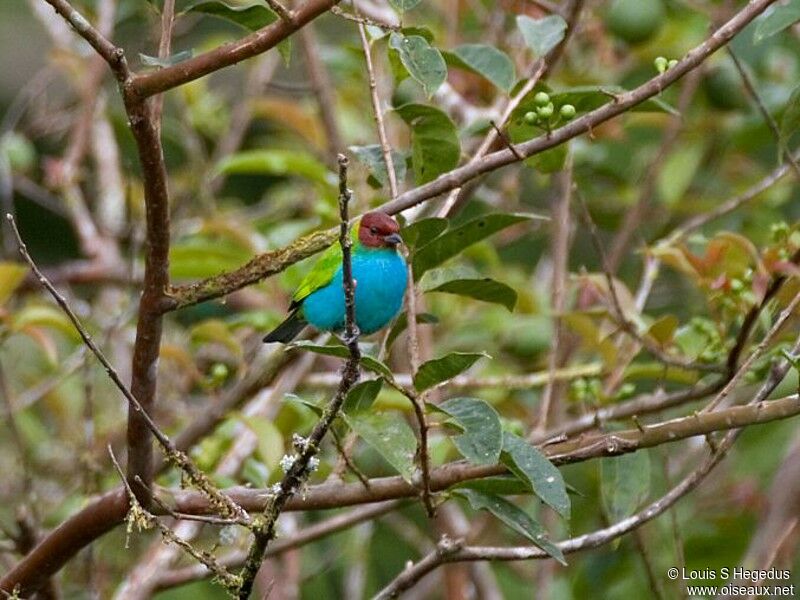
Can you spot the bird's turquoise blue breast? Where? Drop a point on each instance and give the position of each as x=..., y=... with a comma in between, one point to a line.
x=380, y=276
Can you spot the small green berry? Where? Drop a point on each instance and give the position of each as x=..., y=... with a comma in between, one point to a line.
x=661, y=64
x=541, y=99
x=531, y=118
x=567, y=112
x=672, y=63
x=545, y=112
x=737, y=285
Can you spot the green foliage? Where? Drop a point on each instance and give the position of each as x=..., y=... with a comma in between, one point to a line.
x=455, y=240
x=542, y=35
x=438, y=370
x=372, y=157
x=368, y=362
x=515, y=518
x=531, y=466
x=362, y=395
x=780, y=17
x=423, y=62
x=484, y=60
x=482, y=439
x=465, y=282
x=625, y=484
x=388, y=435
x=435, y=148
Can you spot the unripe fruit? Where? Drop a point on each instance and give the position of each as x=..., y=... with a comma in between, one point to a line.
x=672, y=63
x=546, y=112
x=661, y=64
x=541, y=99
x=531, y=118
x=635, y=21
x=567, y=112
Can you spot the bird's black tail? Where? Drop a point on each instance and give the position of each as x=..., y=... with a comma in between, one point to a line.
x=288, y=330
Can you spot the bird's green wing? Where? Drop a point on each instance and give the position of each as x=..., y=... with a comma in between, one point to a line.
x=325, y=268
x=320, y=275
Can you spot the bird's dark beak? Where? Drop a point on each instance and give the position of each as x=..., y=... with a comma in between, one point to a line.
x=393, y=239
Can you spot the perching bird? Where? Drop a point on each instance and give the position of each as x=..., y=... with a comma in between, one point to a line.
x=379, y=275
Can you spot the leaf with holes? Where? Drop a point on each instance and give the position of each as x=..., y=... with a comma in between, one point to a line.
x=482, y=439
x=532, y=466
x=438, y=370
x=514, y=517
x=450, y=244
x=422, y=61
x=435, y=148
x=423, y=231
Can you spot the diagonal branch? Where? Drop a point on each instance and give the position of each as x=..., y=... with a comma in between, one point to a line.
x=147, y=84
x=273, y=262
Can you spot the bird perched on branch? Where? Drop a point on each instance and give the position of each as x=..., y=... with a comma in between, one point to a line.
x=379, y=275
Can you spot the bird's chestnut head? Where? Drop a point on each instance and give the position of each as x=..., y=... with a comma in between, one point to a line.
x=379, y=230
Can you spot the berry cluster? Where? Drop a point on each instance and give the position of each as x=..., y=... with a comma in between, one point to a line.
x=662, y=64
x=546, y=111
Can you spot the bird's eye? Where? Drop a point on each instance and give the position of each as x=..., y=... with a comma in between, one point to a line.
x=373, y=230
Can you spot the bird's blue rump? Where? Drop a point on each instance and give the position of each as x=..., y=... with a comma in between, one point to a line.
x=380, y=277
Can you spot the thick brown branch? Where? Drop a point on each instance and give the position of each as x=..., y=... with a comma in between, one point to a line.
x=148, y=84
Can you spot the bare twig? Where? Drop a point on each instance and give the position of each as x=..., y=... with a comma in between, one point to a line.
x=386, y=149
x=560, y=258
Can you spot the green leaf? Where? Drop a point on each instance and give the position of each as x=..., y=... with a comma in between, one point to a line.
x=423, y=231
x=502, y=485
x=423, y=62
x=11, y=276
x=532, y=466
x=678, y=172
x=390, y=436
x=779, y=18
x=368, y=362
x=403, y=5
x=204, y=257
x=362, y=395
x=542, y=35
x=270, y=440
x=402, y=322
x=372, y=157
x=436, y=371
x=482, y=439
x=625, y=484
x=173, y=59
x=514, y=517
x=276, y=162
x=450, y=244
x=486, y=61
x=435, y=148
x=47, y=316
x=790, y=122
x=251, y=17
x=455, y=281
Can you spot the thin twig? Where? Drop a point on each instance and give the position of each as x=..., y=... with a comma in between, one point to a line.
x=386, y=149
